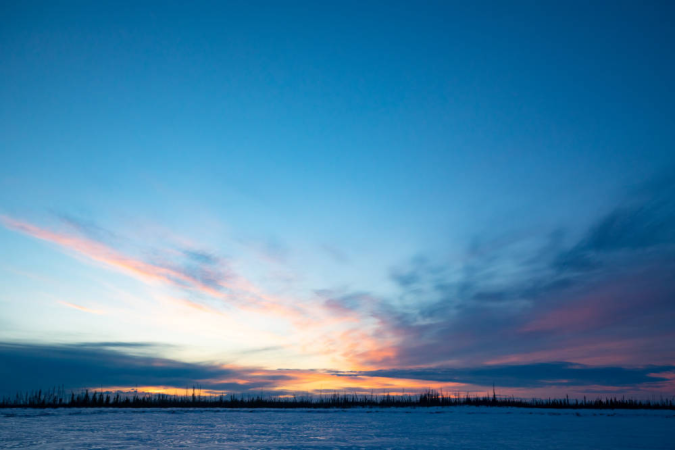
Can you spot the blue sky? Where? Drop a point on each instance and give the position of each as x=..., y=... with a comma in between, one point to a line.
x=341, y=186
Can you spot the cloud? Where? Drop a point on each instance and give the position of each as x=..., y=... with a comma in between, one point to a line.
x=87, y=228
x=535, y=375
x=601, y=299
x=319, y=328
x=32, y=366
x=117, y=345
x=162, y=271
x=645, y=221
x=201, y=257
x=192, y=270
x=81, y=308
x=111, y=365
x=532, y=298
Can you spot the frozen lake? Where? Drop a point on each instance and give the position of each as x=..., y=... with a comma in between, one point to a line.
x=458, y=427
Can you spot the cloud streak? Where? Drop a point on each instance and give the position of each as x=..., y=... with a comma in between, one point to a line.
x=104, y=254
x=536, y=375
x=343, y=335
x=188, y=269
x=110, y=365
x=81, y=308
x=603, y=299
x=525, y=298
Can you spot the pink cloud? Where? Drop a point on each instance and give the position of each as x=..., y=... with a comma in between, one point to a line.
x=342, y=332
x=81, y=308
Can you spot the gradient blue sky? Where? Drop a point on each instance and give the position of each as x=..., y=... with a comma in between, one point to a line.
x=350, y=189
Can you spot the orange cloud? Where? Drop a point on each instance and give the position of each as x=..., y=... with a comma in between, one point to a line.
x=325, y=328
x=309, y=381
x=143, y=270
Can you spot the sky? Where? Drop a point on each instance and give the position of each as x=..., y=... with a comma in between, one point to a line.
x=353, y=196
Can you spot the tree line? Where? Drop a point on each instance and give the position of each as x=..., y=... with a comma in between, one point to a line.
x=59, y=398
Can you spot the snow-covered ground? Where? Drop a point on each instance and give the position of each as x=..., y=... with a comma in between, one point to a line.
x=459, y=427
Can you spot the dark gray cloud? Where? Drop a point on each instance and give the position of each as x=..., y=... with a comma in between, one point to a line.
x=534, y=375
x=33, y=366
x=114, y=344
x=524, y=293
x=642, y=223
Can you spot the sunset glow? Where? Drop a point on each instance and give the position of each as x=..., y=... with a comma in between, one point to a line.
x=348, y=198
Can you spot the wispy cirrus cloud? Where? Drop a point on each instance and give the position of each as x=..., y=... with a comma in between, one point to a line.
x=188, y=269
x=605, y=298
x=523, y=297
x=81, y=308
x=318, y=327
x=200, y=278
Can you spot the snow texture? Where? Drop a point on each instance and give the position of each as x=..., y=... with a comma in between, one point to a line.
x=401, y=428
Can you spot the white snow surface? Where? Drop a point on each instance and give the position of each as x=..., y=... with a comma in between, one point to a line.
x=396, y=428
